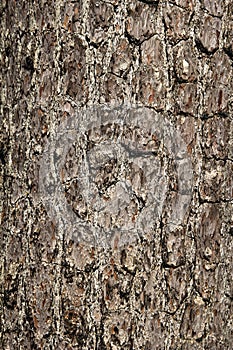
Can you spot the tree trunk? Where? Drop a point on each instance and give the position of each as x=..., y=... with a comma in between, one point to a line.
x=167, y=286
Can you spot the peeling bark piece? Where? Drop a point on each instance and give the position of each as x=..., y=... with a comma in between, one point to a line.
x=19, y=156
x=220, y=83
x=187, y=98
x=174, y=254
x=100, y=19
x=216, y=100
x=177, y=282
x=187, y=129
x=194, y=319
x=80, y=256
x=49, y=43
x=217, y=137
x=111, y=294
x=176, y=20
x=209, y=237
x=121, y=59
x=215, y=7
x=220, y=70
x=185, y=62
x=208, y=280
x=26, y=83
x=152, y=86
x=220, y=324
x=210, y=28
x=47, y=87
x=153, y=52
x=100, y=68
x=73, y=68
x=15, y=251
x=44, y=238
x=228, y=33
x=116, y=84
x=141, y=22
x=39, y=291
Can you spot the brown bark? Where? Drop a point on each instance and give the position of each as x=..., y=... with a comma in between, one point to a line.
x=168, y=289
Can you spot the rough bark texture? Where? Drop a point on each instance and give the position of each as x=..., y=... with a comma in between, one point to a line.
x=166, y=291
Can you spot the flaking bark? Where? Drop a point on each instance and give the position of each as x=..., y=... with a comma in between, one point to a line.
x=168, y=290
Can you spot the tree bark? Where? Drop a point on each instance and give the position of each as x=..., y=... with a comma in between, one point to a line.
x=169, y=289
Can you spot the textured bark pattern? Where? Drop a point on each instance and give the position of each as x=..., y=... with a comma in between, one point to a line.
x=169, y=290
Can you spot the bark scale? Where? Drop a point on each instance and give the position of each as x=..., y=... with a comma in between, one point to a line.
x=168, y=290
